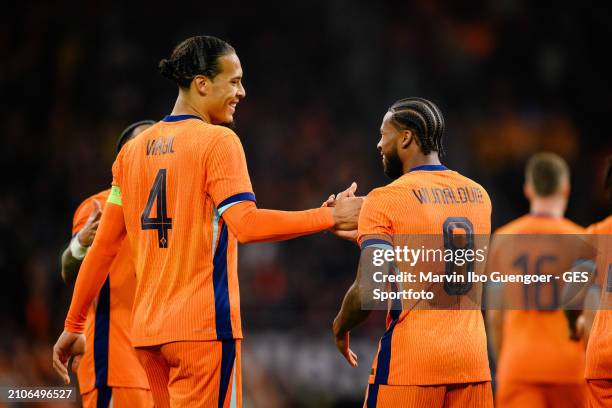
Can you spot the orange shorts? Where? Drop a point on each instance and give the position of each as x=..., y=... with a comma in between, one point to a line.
x=447, y=396
x=599, y=393
x=194, y=373
x=519, y=395
x=118, y=397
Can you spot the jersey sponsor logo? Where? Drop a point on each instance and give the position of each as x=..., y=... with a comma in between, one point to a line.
x=459, y=195
x=163, y=145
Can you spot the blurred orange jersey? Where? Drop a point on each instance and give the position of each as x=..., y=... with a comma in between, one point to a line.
x=535, y=343
x=599, y=349
x=186, y=259
x=110, y=359
x=428, y=347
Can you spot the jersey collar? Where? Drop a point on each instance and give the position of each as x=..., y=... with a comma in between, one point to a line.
x=428, y=167
x=176, y=118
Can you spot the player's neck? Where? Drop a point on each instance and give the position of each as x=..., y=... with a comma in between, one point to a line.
x=421, y=160
x=550, y=207
x=183, y=106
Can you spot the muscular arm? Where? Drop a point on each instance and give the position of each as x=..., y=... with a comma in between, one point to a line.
x=352, y=312
x=350, y=315
x=96, y=266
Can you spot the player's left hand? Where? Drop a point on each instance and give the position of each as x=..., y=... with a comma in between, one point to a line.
x=342, y=343
x=68, y=345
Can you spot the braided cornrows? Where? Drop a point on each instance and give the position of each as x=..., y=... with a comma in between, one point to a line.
x=194, y=56
x=424, y=118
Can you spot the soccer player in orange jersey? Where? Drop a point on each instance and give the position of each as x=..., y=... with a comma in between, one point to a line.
x=537, y=363
x=598, y=370
x=426, y=358
x=110, y=373
x=182, y=193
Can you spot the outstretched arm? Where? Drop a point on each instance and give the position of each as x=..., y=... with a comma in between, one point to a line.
x=251, y=224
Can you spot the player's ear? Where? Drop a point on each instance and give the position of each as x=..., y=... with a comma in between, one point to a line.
x=564, y=188
x=528, y=191
x=407, y=137
x=201, y=84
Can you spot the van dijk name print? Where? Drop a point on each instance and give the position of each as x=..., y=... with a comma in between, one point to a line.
x=163, y=145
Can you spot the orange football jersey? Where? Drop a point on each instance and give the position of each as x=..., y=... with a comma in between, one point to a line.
x=110, y=359
x=599, y=348
x=428, y=347
x=177, y=178
x=535, y=343
x=174, y=186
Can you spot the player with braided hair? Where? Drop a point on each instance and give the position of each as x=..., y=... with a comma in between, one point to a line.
x=426, y=358
x=423, y=118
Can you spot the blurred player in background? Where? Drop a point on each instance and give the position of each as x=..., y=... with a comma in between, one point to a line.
x=182, y=193
x=538, y=365
x=110, y=373
x=598, y=370
x=426, y=357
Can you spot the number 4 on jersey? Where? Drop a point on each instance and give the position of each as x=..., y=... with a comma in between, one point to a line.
x=162, y=223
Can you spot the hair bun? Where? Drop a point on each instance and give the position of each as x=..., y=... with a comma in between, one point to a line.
x=166, y=68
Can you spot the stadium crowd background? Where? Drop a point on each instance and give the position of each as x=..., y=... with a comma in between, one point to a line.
x=512, y=79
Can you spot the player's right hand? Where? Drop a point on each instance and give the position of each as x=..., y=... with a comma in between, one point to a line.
x=346, y=208
x=350, y=235
x=88, y=233
x=68, y=345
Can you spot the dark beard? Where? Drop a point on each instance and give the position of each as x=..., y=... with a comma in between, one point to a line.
x=230, y=125
x=393, y=166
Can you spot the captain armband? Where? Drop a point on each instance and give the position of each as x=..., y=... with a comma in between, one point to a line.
x=115, y=196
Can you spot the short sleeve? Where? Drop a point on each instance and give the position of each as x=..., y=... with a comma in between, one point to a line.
x=227, y=176
x=374, y=221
